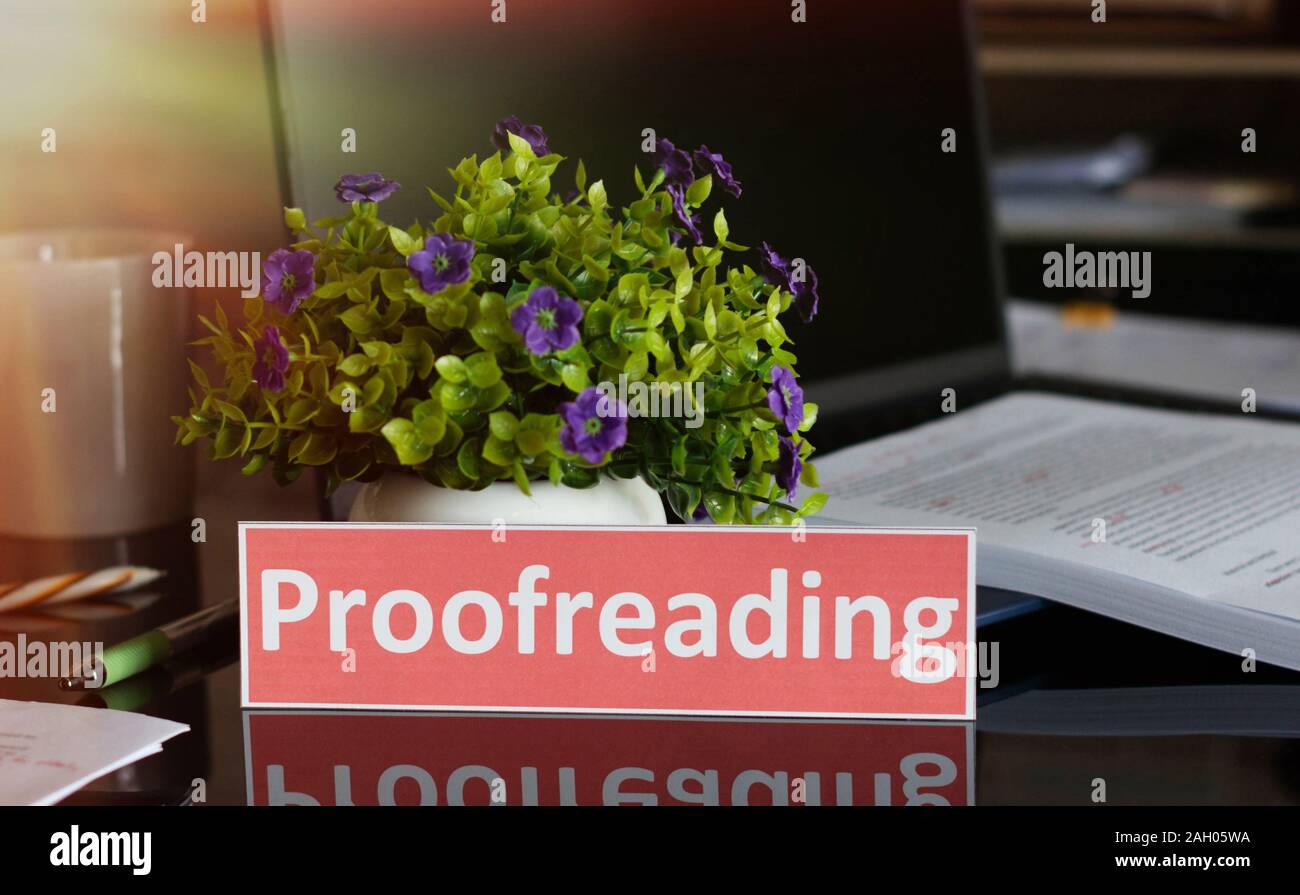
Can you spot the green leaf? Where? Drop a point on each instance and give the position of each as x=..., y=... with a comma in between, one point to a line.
x=721, y=507
x=230, y=411
x=430, y=421
x=809, y=416
x=637, y=366
x=532, y=442
x=574, y=377
x=366, y=419
x=380, y=352
x=402, y=435
x=359, y=319
x=394, y=283
x=520, y=477
x=699, y=191
x=354, y=365
x=482, y=370
x=490, y=399
x=809, y=476
x=457, y=396
x=227, y=442
x=813, y=504
x=499, y=452
x=504, y=425
x=679, y=456
x=720, y=228
x=596, y=196
x=332, y=290
x=452, y=368
x=520, y=146
x=468, y=458
x=295, y=220
x=405, y=244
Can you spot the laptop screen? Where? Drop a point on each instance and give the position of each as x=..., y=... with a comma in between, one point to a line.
x=835, y=126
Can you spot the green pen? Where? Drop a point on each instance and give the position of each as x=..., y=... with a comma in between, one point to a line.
x=130, y=657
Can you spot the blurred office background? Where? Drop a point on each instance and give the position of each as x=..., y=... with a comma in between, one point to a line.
x=1130, y=135
x=1127, y=135
x=1124, y=135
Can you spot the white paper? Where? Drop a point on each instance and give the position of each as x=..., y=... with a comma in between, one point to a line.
x=1188, y=357
x=49, y=751
x=1206, y=505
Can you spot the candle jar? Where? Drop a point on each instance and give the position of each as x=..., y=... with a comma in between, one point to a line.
x=93, y=364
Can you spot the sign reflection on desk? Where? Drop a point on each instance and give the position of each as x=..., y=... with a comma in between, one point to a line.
x=378, y=758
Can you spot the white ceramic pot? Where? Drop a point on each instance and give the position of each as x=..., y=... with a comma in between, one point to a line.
x=408, y=498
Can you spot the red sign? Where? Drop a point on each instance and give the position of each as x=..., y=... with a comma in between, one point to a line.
x=813, y=622
x=362, y=758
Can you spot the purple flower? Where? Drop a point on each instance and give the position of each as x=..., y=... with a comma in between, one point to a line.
x=788, y=467
x=785, y=399
x=272, y=360
x=776, y=270
x=548, y=321
x=594, y=424
x=683, y=214
x=288, y=277
x=443, y=262
x=805, y=293
x=533, y=133
x=713, y=163
x=675, y=162
x=701, y=513
x=371, y=187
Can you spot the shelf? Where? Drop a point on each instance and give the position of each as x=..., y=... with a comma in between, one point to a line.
x=1254, y=63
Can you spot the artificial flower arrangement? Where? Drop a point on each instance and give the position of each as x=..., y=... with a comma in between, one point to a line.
x=480, y=348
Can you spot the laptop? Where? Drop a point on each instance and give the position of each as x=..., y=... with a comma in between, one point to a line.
x=836, y=127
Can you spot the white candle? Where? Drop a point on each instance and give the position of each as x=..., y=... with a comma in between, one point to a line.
x=92, y=361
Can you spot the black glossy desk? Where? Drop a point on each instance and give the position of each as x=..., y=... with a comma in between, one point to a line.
x=1079, y=699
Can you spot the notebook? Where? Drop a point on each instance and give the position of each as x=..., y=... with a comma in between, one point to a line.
x=1180, y=522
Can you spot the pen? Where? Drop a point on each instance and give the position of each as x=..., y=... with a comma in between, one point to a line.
x=130, y=657
x=134, y=693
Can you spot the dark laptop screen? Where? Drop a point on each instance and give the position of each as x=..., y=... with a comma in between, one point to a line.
x=833, y=125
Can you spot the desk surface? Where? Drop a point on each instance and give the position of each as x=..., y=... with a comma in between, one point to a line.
x=1079, y=699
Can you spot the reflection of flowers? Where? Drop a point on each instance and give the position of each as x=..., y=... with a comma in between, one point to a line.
x=548, y=321
x=288, y=277
x=590, y=429
x=443, y=262
x=371, y=187
x=785, y=399
x=788, y=466
x=272, y=360
x=533, y=133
